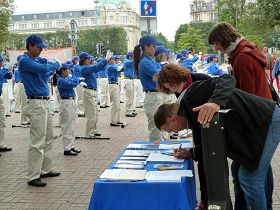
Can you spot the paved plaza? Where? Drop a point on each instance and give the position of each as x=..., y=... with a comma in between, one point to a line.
x=73, y=189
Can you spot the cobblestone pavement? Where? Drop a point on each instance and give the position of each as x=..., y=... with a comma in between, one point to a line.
x=73, y=189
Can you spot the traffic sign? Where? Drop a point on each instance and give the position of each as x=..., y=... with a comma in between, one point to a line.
x=148, y=8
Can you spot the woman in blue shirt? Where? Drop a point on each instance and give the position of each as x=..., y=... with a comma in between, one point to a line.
x=146, y=67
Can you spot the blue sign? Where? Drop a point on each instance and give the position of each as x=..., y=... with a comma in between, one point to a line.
x=148, y=8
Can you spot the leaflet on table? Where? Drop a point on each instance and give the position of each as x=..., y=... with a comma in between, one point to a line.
x=128, y=166
x=134, y=158
x=143, y=146
x=139, y=153
x=123, y=175
x=186, y=145
x=132, y=162
x=168, y=176
x=163, y=158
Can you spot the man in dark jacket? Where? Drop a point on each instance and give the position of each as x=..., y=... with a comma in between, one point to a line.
x=252, y=129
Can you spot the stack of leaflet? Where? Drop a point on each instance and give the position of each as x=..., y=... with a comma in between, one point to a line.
x=123, y=175
x=186, y=145
x=139, y=153
x=130, y=164
x=168, y=176
x=143, y=146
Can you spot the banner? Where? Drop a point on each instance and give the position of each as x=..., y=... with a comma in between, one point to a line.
x=61, y=54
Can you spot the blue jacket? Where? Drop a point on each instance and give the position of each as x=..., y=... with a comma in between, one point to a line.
x=34, y=73
x=112, y=72
x=76, y=71
x=188, y=63
x=128, y=68
x=102, y=73
x=66, y=86
x=276, y=68
x=213, y=69
x=4, y=75
x=147, y=69
x=89, y=73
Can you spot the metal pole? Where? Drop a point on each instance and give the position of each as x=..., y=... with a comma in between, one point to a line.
x=149, y=25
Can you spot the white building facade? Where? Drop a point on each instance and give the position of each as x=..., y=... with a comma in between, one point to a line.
x=43, y=22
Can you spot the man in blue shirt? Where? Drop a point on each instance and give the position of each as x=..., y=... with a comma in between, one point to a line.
x=90, y=91
x=129, y=85
x=34, y=72
x=4, y=74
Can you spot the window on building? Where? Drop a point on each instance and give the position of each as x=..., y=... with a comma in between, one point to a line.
x=47, y=25
x=71, y=14
x=60, y=24
x=22, y=17
x=111, y=18
x=22, y=26
x=47, y=16
x=35, y=25
x=60, y=15
x=35, y=17
x=82, y=13
x=94, y=22
x=83, y=22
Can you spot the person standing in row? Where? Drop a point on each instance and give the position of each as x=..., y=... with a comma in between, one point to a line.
x=16, y=88
x=89, y=71
x=114, y=91
x=79, y=89
x=129, y=85
x=68, y=108
x=4, y=74
x=5, y=89
x=34, y=72
x=103, y=84
x=146, y=66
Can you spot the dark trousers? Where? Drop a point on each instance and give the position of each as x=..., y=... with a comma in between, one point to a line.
x=240, y=203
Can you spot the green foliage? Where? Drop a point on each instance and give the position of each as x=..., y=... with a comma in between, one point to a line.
x=114, y=39
x=6, y=10
x=192, y=38
x=167, y=44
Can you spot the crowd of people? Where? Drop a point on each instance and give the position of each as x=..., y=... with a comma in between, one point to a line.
x=176, y=94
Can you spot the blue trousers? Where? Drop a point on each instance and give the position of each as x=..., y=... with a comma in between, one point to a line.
x=252, y=182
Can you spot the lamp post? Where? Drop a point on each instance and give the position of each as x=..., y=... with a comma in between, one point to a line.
x=73, y=27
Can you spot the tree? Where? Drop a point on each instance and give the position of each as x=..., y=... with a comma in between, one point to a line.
x=167, y=44
x=191, y=38
x=6, y=10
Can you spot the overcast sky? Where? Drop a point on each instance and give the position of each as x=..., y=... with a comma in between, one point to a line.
x=170, y=13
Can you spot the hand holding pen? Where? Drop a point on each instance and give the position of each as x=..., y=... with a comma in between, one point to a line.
x=182, y=153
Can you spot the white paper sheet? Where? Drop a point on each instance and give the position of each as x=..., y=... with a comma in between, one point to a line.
x=168, y=176
x=163, y=158
x=139, y=153
x=187, y=145
x=124, y=174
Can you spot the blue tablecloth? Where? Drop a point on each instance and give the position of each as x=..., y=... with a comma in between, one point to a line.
x=143, y=195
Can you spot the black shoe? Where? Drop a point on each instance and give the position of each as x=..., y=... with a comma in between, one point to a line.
x=28, y=123
x=173, y=136
x=119, y=123
x=107, y=106
x=70, y=153
x=17, y=111
x=8, y=115
x=81, y=115
x=130, y=115
x=141, y=106
x=121, y=102
x=50, y=174
x=115, y=125
x=134, y=113
x=37, y=183
x=56, y=111
x=5, y=149
x=75, y=150
x=103, y=107
x=97, y=134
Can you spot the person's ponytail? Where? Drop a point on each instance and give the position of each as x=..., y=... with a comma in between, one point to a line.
x=136, y=57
